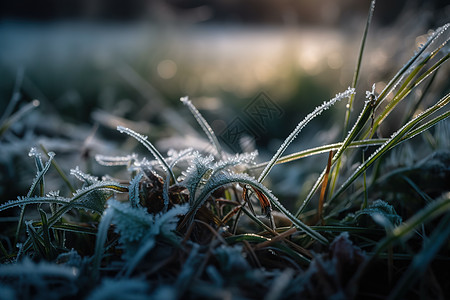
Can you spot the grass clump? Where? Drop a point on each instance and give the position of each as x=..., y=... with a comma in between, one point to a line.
x=184, y=225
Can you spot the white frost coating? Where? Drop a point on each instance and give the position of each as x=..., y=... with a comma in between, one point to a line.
x=115, y=160
x=143, y=140
x=239, y=158
x=34, y=152
x=136, y=226
x=370, y=94
x=80, y=175
x=316, y=112
x=54, y=194
x=432, y=37
x=39, y=174
x=133, y=190
x=195, y=173
x=205, y=126
x=21, y=201
x=388, y=144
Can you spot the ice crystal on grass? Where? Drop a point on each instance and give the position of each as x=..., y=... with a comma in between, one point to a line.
x=136, y=226
x=80, y=175
x=205, y=126
x=316, y=112
x=134, y=190
x=115, y=160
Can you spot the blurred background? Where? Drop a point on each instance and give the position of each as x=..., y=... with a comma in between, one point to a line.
x=94, y=64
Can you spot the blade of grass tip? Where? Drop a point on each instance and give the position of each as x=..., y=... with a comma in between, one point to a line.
x=358, y=66
x=39, y=179
x=316, y=112
x=395, y=139
x=59, y=170
x=335, y=174
x=205, y=126
x=404, y=70
x=393, y=83
x=143, y=140
x=324, y=188
x=405, y=89
x=17, y=115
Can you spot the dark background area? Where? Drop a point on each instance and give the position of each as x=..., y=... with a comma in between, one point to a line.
x=328, y=12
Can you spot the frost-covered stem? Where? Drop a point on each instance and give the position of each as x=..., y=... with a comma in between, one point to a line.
x=316, y=112
x=358, y=66
x=205, y=126
x=404, y=70
x=350, y=136
x=143, y=140
x=392, y=142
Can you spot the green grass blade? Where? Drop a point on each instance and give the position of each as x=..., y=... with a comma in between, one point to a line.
x=392, y=142
x=358, y=66
x=362, y=118
x=414, y=106
x=335, y=171
x=405, y=90
x=319, y=150
x=401, y=73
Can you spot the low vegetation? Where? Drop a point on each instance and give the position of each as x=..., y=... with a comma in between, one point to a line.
x=203, y=224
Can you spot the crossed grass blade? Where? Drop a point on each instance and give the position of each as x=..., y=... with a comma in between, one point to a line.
x=395, y=139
